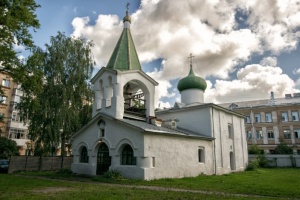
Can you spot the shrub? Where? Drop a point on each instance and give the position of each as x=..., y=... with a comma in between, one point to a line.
x=254, y=164
x=112, y=174
x=65, y=171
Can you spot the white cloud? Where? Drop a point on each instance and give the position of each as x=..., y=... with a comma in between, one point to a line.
x=269, y=61
x=162, y=89
x=172, y=29
x=253, y=82
x=296, y=71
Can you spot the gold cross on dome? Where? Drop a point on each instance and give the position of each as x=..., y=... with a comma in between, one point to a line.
x=191, y=59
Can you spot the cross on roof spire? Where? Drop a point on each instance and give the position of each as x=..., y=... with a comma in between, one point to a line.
x=191, y=59
x=127, y=6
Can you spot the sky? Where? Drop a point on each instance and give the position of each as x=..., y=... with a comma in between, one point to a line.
x=244, y=49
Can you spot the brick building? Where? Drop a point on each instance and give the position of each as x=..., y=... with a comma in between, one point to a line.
x=10, y=125
x=269, y=121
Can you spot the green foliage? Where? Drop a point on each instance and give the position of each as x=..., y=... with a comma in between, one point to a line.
x=65, y=171
x=283, y=148
x=254, y=149
x=112, y=174
x=260, y=160
x=252, y=165
x=17, y=17
x=8, y=148
x=57, y=92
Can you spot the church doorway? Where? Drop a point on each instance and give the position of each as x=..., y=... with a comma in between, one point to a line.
x=103, y=159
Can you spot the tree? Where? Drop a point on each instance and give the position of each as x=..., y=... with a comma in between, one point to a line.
x=56, y=91
x=8, y=147
x=16, y=18
x=283, y=148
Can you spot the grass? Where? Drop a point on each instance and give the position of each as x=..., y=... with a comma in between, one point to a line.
x=276, y=182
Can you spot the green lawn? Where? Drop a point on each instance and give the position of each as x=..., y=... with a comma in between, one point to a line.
x=268, y=183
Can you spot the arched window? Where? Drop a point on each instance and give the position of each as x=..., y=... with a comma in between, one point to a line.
x=84, y=158
x=127, y=156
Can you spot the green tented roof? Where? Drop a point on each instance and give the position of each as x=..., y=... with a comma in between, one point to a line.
x=191, y=82
x=124, y=56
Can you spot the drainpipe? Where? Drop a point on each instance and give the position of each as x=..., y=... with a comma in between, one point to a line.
x=214, y=143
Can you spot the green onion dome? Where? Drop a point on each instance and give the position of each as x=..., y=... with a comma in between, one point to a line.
x=191, y=82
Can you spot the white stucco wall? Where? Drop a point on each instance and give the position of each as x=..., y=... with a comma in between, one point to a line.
x=176, y=157
x=195, y=120
x=109, y=91
x=214, y=122
x=116, y=135
x=191, y=96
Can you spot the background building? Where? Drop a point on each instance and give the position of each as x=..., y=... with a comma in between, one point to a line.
x=11, y=126
x=271, y=121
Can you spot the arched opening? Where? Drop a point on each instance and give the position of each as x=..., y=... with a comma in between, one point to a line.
x=103, y=159
x=109, y=92
x=84, y=158
x=232, y=161
x=98, y=94
x=127, y=157
x=135, y=99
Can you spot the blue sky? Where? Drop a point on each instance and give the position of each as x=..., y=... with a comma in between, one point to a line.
x=244, y=49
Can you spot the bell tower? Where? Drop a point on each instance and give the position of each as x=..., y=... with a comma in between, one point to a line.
x=121, y=88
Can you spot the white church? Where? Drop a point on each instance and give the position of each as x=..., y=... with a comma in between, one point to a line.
x=125, y=134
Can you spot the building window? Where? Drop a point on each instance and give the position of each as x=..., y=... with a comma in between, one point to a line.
x=257, y=118
x=247, y=120
x=5, y=82
x=84, y=158
x=270, y=134
x=3, y=99
x=17, y=133
x=249, y=135
x=286, y=134
x=259, y=135
x=284, y=116
x=297, y=133
x=230, y=131
x=268, y=117
x=127, y=156
x=201, y=155
x=295, y=116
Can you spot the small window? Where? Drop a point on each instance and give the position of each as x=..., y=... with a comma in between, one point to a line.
x=127, y=156
x=201, y=155
x=259, y=135
x=268, y=117
x=230, y=131
x=84, y=155
x=286, y=134
x=3, y=99
x=102, y=132
x=270, y=134
x=153, y=161
x=249, y=135
x=284, y=116
x=295, y=116
x=247, y=120
x=297, y=133
x=5, y=82
x=257, y=118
